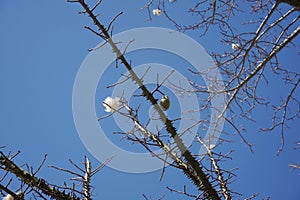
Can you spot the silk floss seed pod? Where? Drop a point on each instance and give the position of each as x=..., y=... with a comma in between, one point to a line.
x=165, y=102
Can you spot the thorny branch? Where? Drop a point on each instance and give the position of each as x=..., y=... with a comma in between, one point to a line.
x=195, y=173
x=255, y=54
x=244, y=68
x=37, y=184
x=169, y=152
x=39, y=187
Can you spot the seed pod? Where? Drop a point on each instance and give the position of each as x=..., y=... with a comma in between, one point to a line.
x=165, y=102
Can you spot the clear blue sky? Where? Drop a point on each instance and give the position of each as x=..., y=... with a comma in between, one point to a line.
x=42, y=46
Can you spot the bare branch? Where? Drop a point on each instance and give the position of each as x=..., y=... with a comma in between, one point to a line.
x=32, y=180
x=201, y=181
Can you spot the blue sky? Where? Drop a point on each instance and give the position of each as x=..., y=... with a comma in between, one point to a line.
x=43, y=44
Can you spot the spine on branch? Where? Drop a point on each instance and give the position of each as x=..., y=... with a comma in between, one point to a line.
x=33, y=181
x=194, y=171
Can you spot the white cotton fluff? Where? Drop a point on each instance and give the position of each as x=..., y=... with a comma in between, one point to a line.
x=156, y=12
x=235, y=46
x=8, y=197
x=111, y=104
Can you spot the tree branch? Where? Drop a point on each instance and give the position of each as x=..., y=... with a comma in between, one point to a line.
x=33, y=181
x=204, y=184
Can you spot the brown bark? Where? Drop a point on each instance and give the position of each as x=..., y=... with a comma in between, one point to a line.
x=294, y=3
